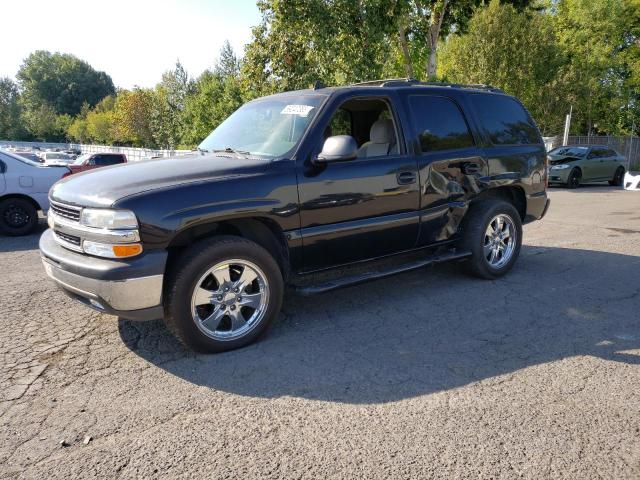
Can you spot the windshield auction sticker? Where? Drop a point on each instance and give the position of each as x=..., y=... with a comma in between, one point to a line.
x=302, y=110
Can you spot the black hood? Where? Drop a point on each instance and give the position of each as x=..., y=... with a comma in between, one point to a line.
x=104, y=186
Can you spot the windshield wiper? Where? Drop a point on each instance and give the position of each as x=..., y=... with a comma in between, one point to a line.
x=239, y=153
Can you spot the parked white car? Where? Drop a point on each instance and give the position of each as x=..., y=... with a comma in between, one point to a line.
x=631, y=181
x=24, y=189
x=56, y=158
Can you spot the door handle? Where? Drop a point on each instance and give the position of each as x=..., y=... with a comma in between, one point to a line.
x=406, y=178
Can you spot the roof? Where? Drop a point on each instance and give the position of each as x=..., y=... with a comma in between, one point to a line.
x=390, y=83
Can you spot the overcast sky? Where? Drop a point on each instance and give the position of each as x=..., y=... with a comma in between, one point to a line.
x=133, y=41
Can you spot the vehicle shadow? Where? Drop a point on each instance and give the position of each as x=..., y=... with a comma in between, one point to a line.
x=425, y=331
x=20, y=244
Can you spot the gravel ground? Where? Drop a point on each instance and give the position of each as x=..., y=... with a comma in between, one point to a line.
x=428, y=374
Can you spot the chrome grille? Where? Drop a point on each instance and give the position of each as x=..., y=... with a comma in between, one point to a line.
x=68, y=238
x=66, y=211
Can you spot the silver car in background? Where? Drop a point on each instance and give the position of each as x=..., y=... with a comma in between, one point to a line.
x=24, y=189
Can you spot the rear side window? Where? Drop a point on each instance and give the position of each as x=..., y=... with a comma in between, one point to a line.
x=439, y=123
x=506, y=121
x=104, y=160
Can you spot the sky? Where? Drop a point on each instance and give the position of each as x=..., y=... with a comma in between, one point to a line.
x=133, y=41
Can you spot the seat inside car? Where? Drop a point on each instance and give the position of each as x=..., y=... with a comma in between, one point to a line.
x=382, y=140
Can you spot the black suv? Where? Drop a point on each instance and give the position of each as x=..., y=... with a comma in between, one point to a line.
x=375, y=178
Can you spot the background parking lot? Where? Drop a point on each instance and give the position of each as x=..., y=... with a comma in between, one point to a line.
x=427, y=374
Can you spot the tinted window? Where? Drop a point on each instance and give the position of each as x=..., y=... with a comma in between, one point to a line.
x=506, y=121
x=597, y=153
x=439, y=123
x=611, y=153
x=104, y=160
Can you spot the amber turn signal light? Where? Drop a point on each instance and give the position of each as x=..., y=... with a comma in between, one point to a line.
x=128, y=250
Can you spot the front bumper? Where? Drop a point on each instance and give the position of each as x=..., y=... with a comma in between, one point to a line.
x=130, y=288
x=559, y=176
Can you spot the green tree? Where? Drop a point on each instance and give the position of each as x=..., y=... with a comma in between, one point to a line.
x=299, y=42
x=168, y=105
x=602, y=44
x=132, y=117
x=61, y=81
x=228, y=64
x=515, y=51
x=11, y=127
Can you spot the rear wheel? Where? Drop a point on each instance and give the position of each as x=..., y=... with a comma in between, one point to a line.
x=492, y=232
x=618, y=177
x=574, y=179
x=17, y=217
x=223, y=294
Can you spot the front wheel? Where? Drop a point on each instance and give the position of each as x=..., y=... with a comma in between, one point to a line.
x=492, y=232
x=574, y=179
x=223, y=294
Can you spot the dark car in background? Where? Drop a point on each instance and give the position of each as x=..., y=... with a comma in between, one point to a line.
x=572, y=165
x=316, y=189
x=89, y=161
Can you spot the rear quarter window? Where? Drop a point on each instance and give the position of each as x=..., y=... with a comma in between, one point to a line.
x=439, y=124
x=505, y=120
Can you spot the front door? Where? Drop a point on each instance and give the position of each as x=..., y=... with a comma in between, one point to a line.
x=362, y=208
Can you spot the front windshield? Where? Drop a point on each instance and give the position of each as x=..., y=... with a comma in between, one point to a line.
x=81, y=159
x=269, y=127
x=569, y=151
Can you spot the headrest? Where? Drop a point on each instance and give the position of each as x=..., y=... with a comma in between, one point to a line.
x=382, y=132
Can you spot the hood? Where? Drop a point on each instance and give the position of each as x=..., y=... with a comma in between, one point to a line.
x=101, y=187
x=558, y=159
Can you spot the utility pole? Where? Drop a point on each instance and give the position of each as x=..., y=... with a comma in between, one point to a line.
x=567, y=127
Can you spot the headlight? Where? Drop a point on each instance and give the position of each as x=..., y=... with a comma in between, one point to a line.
x=560, y=167
x=110, y=250
x=108, y=219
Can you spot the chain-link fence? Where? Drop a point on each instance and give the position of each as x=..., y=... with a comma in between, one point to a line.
x=133, y=154
x=629, y=146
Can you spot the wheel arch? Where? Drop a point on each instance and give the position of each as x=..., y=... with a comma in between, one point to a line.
x=263, y=231
x=511, y=193
x=31, y=200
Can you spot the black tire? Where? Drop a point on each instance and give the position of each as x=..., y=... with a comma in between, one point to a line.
x=574, y=178
x=474, y=230
x=618, y=177
x=17, y=217
x=188, y=269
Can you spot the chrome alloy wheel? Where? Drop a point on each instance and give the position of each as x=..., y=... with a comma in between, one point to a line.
x=500, y=240
x=230, y=299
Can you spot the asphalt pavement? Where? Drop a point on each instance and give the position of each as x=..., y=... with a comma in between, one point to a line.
x=429, y=374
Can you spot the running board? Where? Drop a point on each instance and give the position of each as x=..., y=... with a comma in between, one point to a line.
x=348, y=281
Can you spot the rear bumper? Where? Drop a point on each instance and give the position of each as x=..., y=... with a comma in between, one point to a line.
x=537, y=206
x=129, y=289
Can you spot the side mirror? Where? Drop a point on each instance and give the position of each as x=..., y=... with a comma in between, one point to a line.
x=338, y=148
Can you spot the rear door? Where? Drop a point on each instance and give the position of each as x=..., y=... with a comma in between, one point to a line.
x=612, y=163
x=595, y=168
x=449, y=161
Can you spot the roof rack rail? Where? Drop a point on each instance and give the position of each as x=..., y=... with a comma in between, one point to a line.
x=476, y=86
x=407, y=82
x=385, y=82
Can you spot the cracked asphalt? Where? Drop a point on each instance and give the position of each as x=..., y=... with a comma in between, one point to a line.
x=430, y=374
